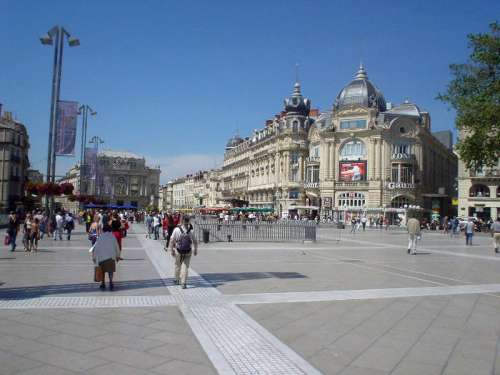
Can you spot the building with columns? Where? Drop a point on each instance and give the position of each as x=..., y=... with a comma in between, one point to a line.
x=363, y=157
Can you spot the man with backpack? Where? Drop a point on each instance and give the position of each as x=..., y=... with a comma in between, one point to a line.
x=182, y=244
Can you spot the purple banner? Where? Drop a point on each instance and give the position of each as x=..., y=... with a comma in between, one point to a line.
x=67, y=113
x=90, y=162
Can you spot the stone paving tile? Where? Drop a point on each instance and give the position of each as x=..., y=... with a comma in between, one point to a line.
x=184, y=368
x=83, y=330
x=13, y=364
x=19, y=346
x=47, y=370
x=118, y=369
x=11, y=327
x=185, y=351
x=129, y=357
x=76, y=344
x=66, y=359
x=408, y=367
x=126, y=341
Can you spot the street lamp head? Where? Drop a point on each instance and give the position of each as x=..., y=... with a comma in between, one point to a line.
x=73, y=42
x=46, y=40
x=93, y=113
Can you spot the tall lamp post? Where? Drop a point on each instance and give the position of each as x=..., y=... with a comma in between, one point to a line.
x=84, y=110
x=57, y=34
x=96, y=141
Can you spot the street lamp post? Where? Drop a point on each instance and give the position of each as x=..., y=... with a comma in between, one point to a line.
x=84, y=111
x=96, y=141
x=57, y=33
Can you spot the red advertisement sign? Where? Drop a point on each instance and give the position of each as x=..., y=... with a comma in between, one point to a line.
x=353, y=171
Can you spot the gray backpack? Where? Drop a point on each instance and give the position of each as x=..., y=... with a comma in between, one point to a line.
x=184, y=242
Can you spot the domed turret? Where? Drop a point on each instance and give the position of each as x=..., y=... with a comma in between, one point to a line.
x=360, y=92
x=233, y=142
x=297, y=104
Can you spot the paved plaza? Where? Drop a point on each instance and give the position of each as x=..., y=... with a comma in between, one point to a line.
x=358, y=305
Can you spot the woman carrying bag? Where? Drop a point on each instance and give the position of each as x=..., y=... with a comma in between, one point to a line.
x=105, y=254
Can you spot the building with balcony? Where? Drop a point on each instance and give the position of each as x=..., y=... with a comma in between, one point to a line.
x=14, y=163
x=364, y=156
x=479, y=192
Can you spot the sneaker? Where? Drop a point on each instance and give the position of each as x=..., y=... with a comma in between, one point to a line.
x=409, y=250
x=111, y=286
x=102, y=286
x=184, y=286
x=496, y=250
x=177, y=282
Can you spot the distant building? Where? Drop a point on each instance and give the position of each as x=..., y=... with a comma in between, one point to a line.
x=123, y=178
x=445, y=137
x=35, y=176
x=14, y=163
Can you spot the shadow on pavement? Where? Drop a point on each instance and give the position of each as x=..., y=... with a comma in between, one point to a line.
x=46, y=290
x=217, y=279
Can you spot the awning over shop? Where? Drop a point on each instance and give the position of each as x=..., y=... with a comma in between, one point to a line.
x=303, y=208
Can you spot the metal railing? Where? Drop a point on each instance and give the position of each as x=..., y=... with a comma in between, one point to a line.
x=280, y=231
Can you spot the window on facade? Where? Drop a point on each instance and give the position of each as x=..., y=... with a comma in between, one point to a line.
x=353, y=124
x=402, y=173
x=313, y=173
x=293, y=194
x=294, y=158
x=498, y=192
x=295, y=126
x=479, y=191
x=353, y=150
x=315, y=152
x=294, y=175
x=351, y=199
x=400, y=201
x=401, y=148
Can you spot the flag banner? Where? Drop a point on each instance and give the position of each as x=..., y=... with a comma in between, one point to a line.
x=90, y=162
x=67, y=113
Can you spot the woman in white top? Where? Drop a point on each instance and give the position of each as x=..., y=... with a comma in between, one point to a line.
x=105, y=254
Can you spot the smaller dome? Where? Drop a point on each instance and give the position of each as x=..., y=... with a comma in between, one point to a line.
x=406, y=108
x=233, y=142
x=297, y=104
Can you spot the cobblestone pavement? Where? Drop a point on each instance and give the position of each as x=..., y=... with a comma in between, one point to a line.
x=356, y=306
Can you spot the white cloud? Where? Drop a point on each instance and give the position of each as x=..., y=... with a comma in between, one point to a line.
x=182, y=164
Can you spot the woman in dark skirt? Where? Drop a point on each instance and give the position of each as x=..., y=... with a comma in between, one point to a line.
x=105, y=254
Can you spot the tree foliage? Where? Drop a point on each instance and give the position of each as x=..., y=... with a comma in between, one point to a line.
x=475, y=95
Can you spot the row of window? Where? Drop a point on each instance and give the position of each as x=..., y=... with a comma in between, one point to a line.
x=482, y=191
x=353, y=124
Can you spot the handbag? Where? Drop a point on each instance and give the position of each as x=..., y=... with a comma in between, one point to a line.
x=6, y=240
x=98, y=274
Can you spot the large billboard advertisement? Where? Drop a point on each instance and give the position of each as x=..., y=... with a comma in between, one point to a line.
x=67, y=113
x=353, y=171
x=90, y=162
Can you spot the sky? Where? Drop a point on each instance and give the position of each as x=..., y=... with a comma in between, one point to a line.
x=174, y=80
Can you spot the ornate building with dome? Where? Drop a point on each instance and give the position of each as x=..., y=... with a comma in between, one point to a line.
x=363, y=157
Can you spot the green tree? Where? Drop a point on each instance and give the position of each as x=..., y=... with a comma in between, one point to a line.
x=475, y=95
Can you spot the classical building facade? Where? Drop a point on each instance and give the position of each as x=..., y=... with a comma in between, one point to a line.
x=479, y=192
x=123, y=178
x=364, y=155
x=198, y=190
x=14, y=163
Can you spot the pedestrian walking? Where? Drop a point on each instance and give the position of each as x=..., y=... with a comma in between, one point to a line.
x=469, y=232
x=495, y=232
x=363, y=222
x=170, y=227
x=34, y=236
x=413, y=227
x=156, y=226
x=105, y=255
x=353, y=225
x=69, y=225
x=182, y=245
x=12, y=230
x=116, y=228
x=27, y=232
x=93, y=232
x=59, y=226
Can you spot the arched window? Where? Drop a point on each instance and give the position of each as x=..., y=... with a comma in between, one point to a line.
x=400, y=201
x=353, y=150
x=295, y=126
x=479, y=191
x=351, y=199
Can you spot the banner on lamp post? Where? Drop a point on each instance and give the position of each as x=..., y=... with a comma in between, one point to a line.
x=67, y=113
x=90, y=162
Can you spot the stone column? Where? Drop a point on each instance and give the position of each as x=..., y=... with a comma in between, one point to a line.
x=328, y=167
x=371, y=160
x=332, y=160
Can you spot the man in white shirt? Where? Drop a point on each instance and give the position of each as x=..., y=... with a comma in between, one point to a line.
x=182, y=244
x=58, y=232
